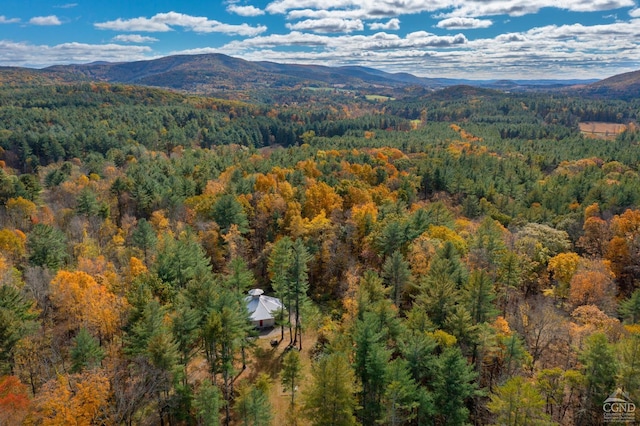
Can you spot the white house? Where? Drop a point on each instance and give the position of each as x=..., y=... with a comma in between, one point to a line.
x=262, y=309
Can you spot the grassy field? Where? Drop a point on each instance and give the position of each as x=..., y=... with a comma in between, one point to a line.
x=600, y=130
x=268, y=360
x=379, y=98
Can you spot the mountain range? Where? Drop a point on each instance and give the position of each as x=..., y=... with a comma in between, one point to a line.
x=217, y=73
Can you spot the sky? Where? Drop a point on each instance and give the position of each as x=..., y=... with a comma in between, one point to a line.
x=476, y=39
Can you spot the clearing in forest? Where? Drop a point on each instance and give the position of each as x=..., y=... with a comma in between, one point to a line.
x=600, y=130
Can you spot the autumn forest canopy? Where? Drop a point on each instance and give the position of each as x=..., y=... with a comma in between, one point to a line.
x=465, y=256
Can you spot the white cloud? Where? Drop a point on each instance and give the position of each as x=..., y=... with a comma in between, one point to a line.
x=324, y=14
x=390, y=25
x=328, y=25
x=567, y=51
x=66, y=6
x=135, y=24
x=378, y=9
x=464, y=23
x=479, y=8
x=163, y=22
x=363, y=9
x=134, y=38
x=30, y=55
x=5, y=20
x=45, y=20
x=634, y=13
x=245, y=10
x=351, y=43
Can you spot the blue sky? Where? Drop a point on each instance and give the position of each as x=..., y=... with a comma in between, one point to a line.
x=475, y=39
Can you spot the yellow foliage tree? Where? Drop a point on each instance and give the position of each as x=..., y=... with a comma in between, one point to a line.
x=318, y=197
x=12, y=243
x=81, y=301
x=20, y=210
x=421, y=252
x=136, y=267
x=627, y=224
x=79, y=399
x=446, y=234
x=364, y=217
x=563, y=266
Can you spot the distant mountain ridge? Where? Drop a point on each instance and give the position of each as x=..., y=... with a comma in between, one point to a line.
x=214, y=73
x=622, y=86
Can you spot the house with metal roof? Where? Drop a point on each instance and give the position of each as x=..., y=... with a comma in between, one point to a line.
x=262, y=309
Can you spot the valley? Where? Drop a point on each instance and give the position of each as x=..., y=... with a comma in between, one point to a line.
x=448, y=252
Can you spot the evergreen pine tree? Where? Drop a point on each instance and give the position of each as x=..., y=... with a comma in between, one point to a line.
x=330, y=399
x=85, y=352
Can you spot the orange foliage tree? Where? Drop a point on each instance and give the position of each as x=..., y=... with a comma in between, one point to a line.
x=320, y=196
x=79, y=399
x=596, y=232
x=593, y=285
x=14, y=400
x=83, y=302
x=623, y=250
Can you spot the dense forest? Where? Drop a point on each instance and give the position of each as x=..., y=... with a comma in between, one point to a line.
x=465, y=256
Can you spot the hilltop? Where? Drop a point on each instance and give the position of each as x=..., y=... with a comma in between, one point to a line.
x=623, y=86
x=216, y=73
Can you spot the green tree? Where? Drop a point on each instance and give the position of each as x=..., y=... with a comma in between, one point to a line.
x=487, y=246
x=628, y=351
x=518, y=403
x=253, y=404
x=181, y=260
x=453, y=384
x=439, y=291
x=152, y=347
x=418, y=348
x=87, y=203
x=299, y=285
x=600, y=367
x=207, y=403
x=228, y=211
x=509, y=276
x=185, y=326
x=401, y=396
x=224, y=334
x=85, y=352
x=238, y=281
x=144, y=237
x=280, y=269
x=396, y=275
x=370, y=363
x=512, y=354
x=630, y=308
x=479, y=295
x=151, y=337
x=393, y=236
x=16, y=321
x=291, y=375
x=46, y=246
x=551, y=384
x=330, y=399
x=437, y=296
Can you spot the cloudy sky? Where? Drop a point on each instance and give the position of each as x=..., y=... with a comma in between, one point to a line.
x=474, y=39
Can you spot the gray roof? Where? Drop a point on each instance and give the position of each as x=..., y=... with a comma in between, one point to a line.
x=262, y=307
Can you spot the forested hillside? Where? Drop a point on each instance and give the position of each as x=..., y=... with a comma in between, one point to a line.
x=458, y=257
